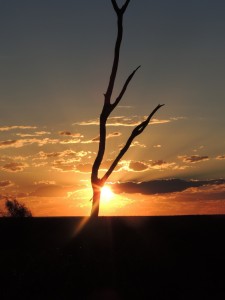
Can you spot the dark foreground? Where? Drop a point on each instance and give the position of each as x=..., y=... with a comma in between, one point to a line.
x=113, y=258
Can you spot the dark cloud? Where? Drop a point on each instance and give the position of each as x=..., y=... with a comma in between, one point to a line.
x=193, y=158
x=138, y=166
x=5, y=183
x=4, y=144
x=161, y=186
x=158, y=163
x=96, y=139
x=220, y=157
x=14, y=167
x=68, y=133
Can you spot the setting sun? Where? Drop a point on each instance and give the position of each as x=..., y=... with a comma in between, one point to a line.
x=106, y=194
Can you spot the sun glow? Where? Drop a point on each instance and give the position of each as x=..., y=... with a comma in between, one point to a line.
x=106, y=194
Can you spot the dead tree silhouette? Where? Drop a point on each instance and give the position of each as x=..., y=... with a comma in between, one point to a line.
x=108, y=107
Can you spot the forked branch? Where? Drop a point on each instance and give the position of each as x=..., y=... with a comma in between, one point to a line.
x=122, y=9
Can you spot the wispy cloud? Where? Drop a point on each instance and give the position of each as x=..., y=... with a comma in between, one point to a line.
x=127, y=121
x=61, y=154
x=193, y=158
x=137, y=144
x=25, y=142
x=220, y=157
x=68, y=133
x=37, y=133
x=72, y=141
x=7, y=128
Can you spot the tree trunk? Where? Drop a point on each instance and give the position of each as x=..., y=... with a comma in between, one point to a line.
x=96, y=200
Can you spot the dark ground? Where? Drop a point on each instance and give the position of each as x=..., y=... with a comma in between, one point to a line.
x=113, y=258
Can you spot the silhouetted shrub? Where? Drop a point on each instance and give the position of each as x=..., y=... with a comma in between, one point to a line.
x=16, y=210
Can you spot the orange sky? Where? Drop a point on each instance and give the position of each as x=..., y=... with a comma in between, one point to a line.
x=54, y=71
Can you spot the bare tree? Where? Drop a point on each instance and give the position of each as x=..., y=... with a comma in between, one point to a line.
x=108, y=107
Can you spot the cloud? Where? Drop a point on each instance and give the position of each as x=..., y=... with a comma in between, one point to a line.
x=162, y=186
x=5, y=183
x=65, y=165
x=7, y=128
x=113, y=134
x=37, y=133
x=44, y=155
x=125, y=106
x=26, y=142
x=82, y=153
x=68, y=133
x=126, y=121
x=66, y=153
x=40, y=164
x=161, y=164
x=45, y=182
x=220, y=157
x=193, y=158
x=97, y=138
x=137, y=144
x=14, y=167
x=10, y=143
x=138, y=166
x=73, y=141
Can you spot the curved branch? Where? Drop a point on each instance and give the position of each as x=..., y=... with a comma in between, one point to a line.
x=124, y=88
x=137, y=130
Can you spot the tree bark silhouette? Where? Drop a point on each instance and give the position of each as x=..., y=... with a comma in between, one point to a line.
x=108, y=107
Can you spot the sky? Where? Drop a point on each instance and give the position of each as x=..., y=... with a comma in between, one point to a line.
x=55, y=62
